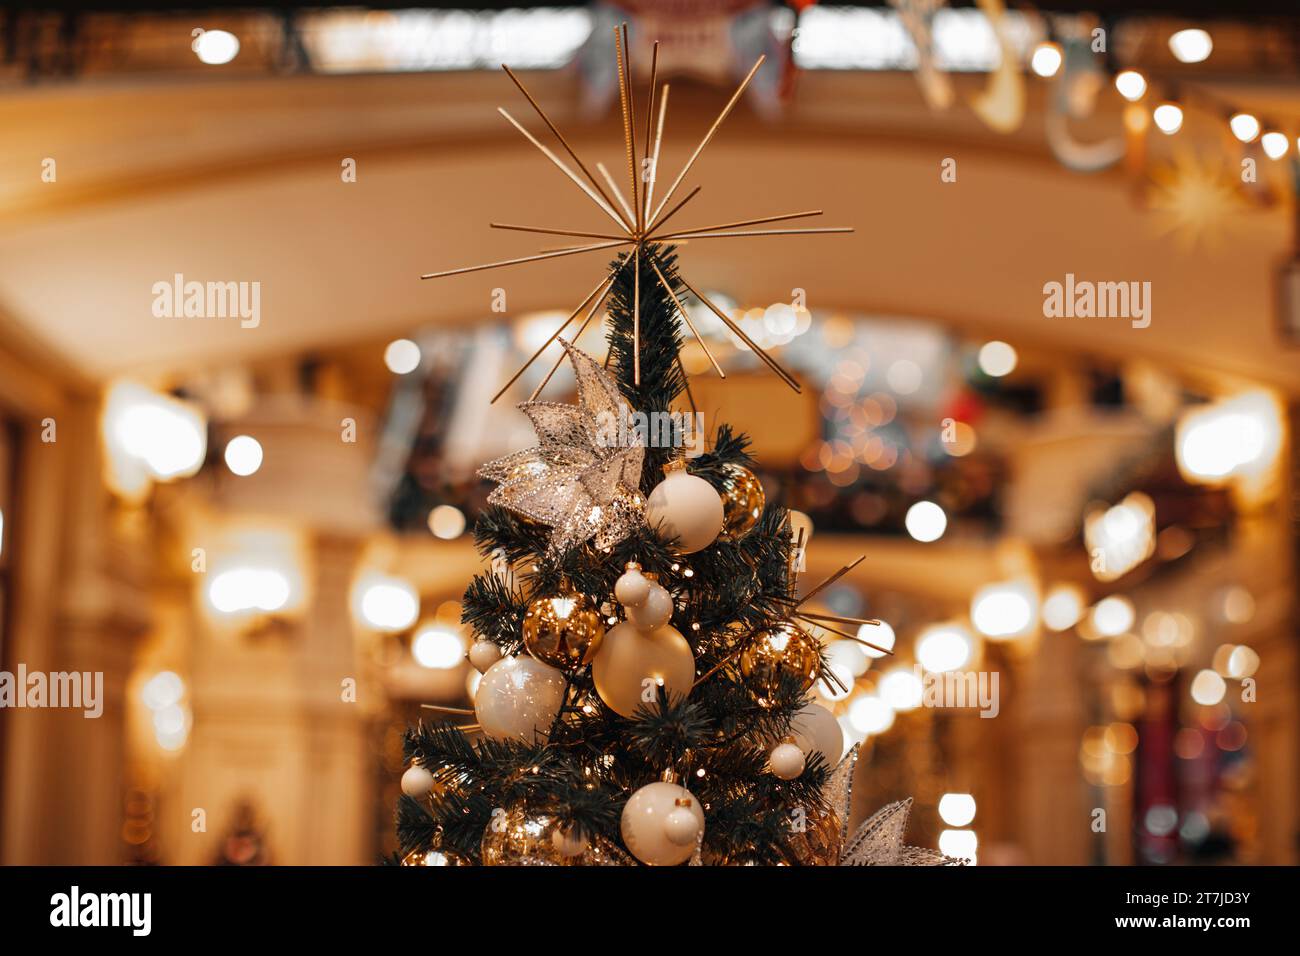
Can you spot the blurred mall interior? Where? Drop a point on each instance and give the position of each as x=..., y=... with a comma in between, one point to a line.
x=257, y=526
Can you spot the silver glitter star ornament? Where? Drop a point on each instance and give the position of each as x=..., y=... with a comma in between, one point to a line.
x=583, y=477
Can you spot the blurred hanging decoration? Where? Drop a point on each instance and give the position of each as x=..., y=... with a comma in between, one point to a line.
x=1194, y=199
x=574, y=480
x=1080, y=80
x=707, y=40
x=918, y=19
x=1001, y=105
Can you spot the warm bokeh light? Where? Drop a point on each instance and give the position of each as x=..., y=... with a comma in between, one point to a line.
x=926, y=521
x=1113, y=615
x=447, y=522
x=438, y=648
x=882, y=635
x=957, y=809
x=1168, y=118
x=150, y=436
x=1274, y=144
x=1244, y=126
x=162, y=690
x=997, y=359
x=1004, y=610
x=1121, y=537
x=402, y=356
x=1237, y=436
x=1131, y=84
x=1191, y=46
x=243, y=455
x=244, y=589
x=944, y=647
x=215, y=47
x=386, y=604
x=959, y=843
x=1208, y=688
x=1063, y=607
x=901, y=689
x=870, y=715
x=1046, y=59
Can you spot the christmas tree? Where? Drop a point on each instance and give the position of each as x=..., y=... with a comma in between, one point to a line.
x=647, y=659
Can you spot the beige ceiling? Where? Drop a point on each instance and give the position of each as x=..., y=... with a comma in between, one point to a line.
x=240, y=181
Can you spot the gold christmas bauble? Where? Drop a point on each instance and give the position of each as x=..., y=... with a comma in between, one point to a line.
x=773, y=654
x=742, y=501
x=633, y=663
x=521, y=837
x=434, y=857
x=563, y=631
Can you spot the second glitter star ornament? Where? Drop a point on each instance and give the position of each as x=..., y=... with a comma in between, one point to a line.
x=580, y=479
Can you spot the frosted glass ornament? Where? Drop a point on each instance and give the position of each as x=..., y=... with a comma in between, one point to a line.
x=519, y=697
x=786, y=761
x=483, y=654
x=417, y=782
x=632, y=587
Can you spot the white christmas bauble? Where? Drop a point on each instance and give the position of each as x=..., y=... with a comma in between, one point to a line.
x=519, y=697
x=685, y=507
x=799, y=520
x=816, y=731
x=568, y=842
x=632, y=587
x=786, y=761
x=654, y=831
x=417, y=782
x=655, y=611
x=483, y=654
x=631, y=663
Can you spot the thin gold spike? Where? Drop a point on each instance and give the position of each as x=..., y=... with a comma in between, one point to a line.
x=625, y=96
x=582, y=328
x=568, y=251
x=748, y=222
x=542, y=230
x=851, y=637
x=642, y=210
x=689, y=196
x=613, y=244
x=659, y=138
x=758, y=232
x=757, y=350
x=618, y=193
x=685, y=315
x=636, y=320
x=837, y=618
x=607, y=280
x=832, y=579
x=735, y=98
x=448, y=710
x=560, y=136
x=587, y=190
x=686, y=380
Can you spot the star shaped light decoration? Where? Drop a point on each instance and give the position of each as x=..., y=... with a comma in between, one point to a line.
x=640, y=221
x=583, y=476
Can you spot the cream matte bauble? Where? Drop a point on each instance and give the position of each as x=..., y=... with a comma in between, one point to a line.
x=483, y=654
x=519, y=697
x=417, y=782
x=686, y=508
x=786, y=761
x=661, y=824
x=816, y=731
x=655, y=611
x=632, y=587
x=629, y=658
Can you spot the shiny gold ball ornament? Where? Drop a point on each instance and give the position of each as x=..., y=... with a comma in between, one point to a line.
x=776, y=653
x=517, y=836
x=818, y=843
x=564, y=631
x=434, y=857
x=742, y=502
x=633, y=664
